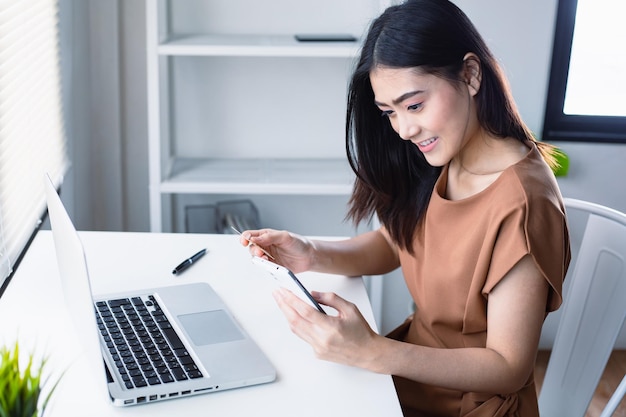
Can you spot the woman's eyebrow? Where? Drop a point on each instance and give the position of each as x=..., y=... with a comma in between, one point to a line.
x=401, y=98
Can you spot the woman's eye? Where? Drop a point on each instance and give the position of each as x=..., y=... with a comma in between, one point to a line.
x=386, y=113
x=415, y=106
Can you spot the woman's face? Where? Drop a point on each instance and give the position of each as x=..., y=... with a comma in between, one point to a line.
x=427, y=110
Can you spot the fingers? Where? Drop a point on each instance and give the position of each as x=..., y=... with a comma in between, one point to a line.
x=287, y=249
x=331, y=299
x=265, y=237
x=304, y=320
x=251, y=238
x=290, y=303
x=292, y=306
x=334, y=338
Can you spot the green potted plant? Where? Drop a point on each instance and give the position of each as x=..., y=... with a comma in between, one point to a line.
x=561, y=169
x=562, y=160
x=22, y=389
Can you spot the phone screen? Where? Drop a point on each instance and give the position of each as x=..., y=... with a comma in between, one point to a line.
x=288, y=279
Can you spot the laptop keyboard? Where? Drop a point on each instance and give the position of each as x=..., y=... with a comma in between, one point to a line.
x=144, y=346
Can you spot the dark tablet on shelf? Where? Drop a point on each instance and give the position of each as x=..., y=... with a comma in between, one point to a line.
x=325, y=37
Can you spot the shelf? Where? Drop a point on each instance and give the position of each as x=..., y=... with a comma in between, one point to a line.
x=254, y=111
x=254, y=45
x=259, y=176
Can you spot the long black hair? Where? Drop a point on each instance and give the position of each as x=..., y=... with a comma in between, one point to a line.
x=394, y=180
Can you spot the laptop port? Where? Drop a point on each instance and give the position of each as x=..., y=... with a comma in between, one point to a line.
x=186, y=392
x=141, y=400
x=153, y=397
x=174, y=394
x=129, y=401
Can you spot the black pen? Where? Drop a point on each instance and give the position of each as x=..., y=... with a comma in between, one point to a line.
x=187, y=262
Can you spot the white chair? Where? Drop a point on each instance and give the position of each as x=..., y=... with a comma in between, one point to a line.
x=592, y=315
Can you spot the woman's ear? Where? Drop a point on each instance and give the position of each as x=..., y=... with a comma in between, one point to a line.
x=472, y=73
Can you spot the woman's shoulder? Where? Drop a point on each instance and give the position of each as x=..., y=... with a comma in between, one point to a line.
x=535, y=180
x=525, y=186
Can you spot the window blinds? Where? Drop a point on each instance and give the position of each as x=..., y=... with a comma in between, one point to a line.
x=32, y=137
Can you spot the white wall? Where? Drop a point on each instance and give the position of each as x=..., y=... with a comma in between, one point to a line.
x=107, y=106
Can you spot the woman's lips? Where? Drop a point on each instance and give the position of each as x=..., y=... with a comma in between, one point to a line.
x=428, y=144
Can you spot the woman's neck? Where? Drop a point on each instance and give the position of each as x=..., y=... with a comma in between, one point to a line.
x=480, y=163
x=488, y=155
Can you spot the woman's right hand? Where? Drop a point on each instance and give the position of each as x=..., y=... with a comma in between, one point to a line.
x=288, y=249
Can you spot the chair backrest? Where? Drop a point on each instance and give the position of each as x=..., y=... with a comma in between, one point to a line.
x=593, y=314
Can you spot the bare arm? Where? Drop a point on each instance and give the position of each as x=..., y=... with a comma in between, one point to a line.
x=370, y=253
x=515, y=316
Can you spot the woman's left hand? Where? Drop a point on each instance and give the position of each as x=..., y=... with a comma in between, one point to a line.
x=344, y=338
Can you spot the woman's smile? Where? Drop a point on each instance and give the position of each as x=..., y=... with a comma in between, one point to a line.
x=428, y=144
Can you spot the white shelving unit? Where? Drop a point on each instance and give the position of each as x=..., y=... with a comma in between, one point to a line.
x=258, y=176
x=239, y=108
x=249, y=45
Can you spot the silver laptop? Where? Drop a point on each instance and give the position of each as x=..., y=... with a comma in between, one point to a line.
x=159, y=343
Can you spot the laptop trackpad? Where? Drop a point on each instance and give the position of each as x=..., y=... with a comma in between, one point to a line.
x=210, y=327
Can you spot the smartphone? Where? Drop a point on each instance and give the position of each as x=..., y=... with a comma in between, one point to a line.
x=287, y=279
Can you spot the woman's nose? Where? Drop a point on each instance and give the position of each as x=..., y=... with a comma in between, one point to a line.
x=407, y=128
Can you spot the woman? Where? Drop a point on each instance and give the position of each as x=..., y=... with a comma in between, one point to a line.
x=470, y=210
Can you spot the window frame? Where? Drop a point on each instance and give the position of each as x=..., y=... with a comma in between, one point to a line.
x=577, y=128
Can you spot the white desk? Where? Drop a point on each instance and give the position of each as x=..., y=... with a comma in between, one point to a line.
x=32, y=311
